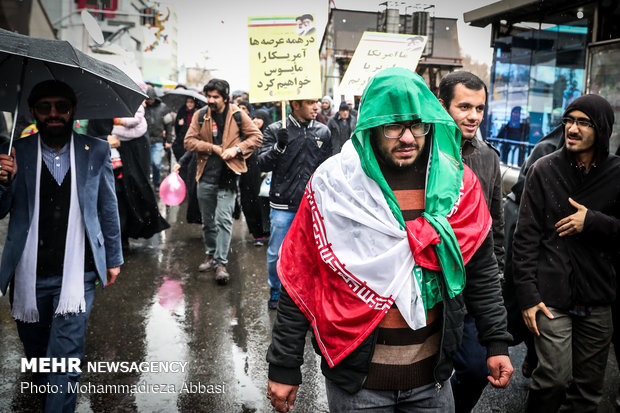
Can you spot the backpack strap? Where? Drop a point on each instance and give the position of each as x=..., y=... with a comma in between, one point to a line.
x=237, y=116
x=201, y=116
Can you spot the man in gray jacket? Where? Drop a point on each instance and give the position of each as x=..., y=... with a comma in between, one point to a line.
x=341, y=125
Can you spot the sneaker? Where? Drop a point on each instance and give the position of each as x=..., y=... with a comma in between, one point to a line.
x=259, y=242
x=273, y=300
x=208, y=265
x=221, y=275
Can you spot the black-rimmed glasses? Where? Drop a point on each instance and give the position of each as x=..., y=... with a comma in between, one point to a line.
x=397, y=130
x=581, y=122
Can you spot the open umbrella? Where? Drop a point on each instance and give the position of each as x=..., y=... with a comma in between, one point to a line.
x=175, y=99
x=102, y=90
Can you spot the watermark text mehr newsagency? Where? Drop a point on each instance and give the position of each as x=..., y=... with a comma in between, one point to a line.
x=72, y=365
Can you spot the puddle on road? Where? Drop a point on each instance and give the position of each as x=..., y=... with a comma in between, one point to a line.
x=166, y=341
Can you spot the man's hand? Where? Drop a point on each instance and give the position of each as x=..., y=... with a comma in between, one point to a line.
x=572, y=224
x=167, y=145
x=229, y=153
x=529, y=316
x=217, y=149
x=8, y=167
x=282, y=395
x=112, y=274
x=282, y=138
x=501, y=370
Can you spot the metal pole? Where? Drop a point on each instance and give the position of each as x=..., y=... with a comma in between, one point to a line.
x=19, y=98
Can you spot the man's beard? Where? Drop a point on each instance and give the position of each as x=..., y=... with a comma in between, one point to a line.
x=55, y=136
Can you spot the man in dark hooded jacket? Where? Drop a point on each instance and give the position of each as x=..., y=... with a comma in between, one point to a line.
x=566, y=237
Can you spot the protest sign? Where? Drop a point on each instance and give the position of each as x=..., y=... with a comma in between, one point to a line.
x=284, y=58
x=377, y=51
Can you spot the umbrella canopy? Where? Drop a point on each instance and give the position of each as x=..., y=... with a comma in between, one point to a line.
x=175, y=99
x=102, y=90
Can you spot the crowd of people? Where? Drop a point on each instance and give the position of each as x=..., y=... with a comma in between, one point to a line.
x=385, y=230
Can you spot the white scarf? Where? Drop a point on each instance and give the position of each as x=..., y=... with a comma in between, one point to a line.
x=72, y=291
x=365, y=236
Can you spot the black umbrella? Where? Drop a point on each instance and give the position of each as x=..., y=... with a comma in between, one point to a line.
x=175, y=99
x=102, y=90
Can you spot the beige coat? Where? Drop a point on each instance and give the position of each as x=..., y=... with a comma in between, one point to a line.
x=200, y=140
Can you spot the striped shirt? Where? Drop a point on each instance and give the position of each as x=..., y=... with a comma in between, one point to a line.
x=57, y=163
x=404, y=358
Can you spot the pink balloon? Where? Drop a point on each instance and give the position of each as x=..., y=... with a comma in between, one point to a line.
x=172, y=190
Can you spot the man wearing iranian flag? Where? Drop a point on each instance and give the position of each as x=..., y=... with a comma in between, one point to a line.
x=390, y=242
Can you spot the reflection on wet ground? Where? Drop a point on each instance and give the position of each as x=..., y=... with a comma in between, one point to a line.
x=162, y=309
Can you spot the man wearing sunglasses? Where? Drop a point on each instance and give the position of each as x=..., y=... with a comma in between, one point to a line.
x=566, y=238
x=63, y=236
x=375, y=262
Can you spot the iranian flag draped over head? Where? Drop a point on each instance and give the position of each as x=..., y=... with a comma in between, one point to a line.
x=349, y=255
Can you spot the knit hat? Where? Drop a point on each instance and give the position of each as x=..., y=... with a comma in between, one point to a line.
x=51, y=88
x=343, y=106
x=601, y=114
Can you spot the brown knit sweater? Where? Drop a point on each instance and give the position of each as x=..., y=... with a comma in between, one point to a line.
x=404, y=358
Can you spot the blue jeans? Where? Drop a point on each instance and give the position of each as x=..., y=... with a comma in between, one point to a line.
x=57, y=336
x=470, y=368
x=425, y=399
x=216, y=208
x=280, y=222
x=157, y=151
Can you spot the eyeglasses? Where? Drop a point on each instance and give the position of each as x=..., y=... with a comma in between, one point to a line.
x=397, y=130
x=581, y=123
x=45, y=108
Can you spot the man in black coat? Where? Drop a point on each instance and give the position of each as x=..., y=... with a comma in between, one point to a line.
x=564, y=244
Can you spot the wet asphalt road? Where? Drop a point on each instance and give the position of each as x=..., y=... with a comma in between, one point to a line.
x=162, y=309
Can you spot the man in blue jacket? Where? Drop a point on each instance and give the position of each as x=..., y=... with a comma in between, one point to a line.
x=63, y=236
x=292, y=154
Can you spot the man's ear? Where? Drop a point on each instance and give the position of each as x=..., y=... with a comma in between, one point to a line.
x=442, y=103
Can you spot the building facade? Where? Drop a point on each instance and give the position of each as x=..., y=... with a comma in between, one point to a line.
x=345, y=28
x=546, y=54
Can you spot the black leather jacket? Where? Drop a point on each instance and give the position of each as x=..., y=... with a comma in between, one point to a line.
x=308, y=146
x=483, y=298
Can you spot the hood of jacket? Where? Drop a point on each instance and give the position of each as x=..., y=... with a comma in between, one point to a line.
x=331, y=104
x=602, y=116
x=151, y=93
